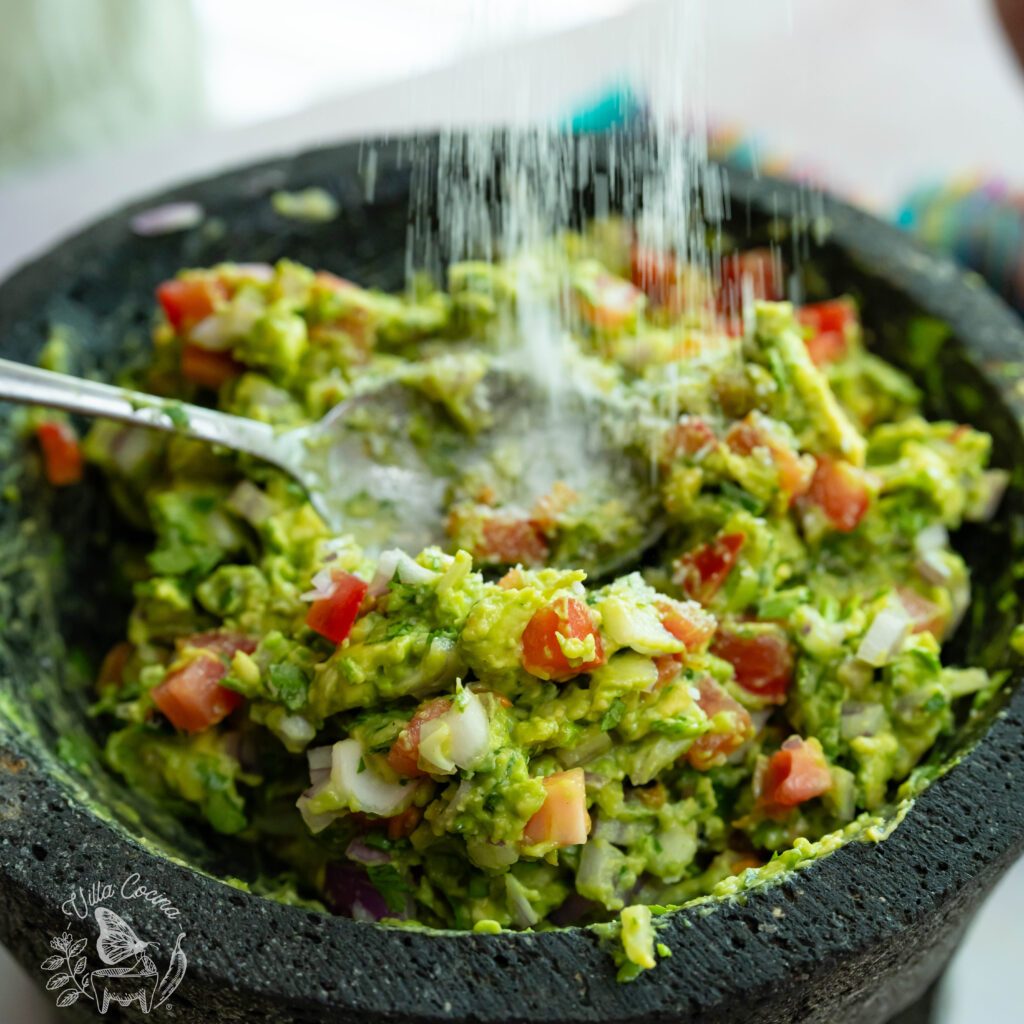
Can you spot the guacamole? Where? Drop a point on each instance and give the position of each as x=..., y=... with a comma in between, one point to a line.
x=476, y=735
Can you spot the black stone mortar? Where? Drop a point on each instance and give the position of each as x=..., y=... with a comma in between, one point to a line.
x=854, y=937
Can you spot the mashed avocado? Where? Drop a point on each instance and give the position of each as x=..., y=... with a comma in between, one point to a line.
x=477, y=736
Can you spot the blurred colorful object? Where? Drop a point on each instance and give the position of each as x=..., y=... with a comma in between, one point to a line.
x=980, y=223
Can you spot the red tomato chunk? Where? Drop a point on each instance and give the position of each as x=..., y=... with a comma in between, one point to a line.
x=796, y=773
x=404, y=756
x=762, y=662
x=563, y=818
x=542, y=653
x=62, y=455
x=702, y=572
x=334, y=615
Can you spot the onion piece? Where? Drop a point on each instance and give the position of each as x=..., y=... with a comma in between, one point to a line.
x=933, y=568
x=931, y=538
x=167, y=219
x=251, y=503
x=358, y=851
x=319, y=759
x=470, y=730
x=884, y=637
x=985, y=506
x=861, y=719
x=361, y=787
x=519, y=905
x=323, y=586
x=386, y=566
x=348, y=890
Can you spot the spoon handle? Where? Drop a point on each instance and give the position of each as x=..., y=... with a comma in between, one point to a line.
x=32, y=386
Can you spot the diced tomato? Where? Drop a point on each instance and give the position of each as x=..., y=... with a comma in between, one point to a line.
x=669, y=667
x=543, y=655
x=653, y=796
x=401, y=826
x=562, y=818
x=687, y=622
x=610, y=303
x=223, y=642
x=688, y=437
x=191, y=696
x=702, y=572
x=334, y=615
x=744, y=862
x=186, y=301
x=926, y=616
x=112, y=669
x=756, y=266
x=404, y=756
x=549, y=509
x=829, y=323
x=762, y=662
x=208, y=369
x=841, y=491
x=792, y=775
x=62, y=454
x=512, y=541
x=712, y=748
x=657, y=273
x=748, y=435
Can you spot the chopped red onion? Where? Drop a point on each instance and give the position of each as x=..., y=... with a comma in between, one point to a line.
x=358, y=851
x=167, y=219
x=572, y=910
x=349, y=891
x=319, y=759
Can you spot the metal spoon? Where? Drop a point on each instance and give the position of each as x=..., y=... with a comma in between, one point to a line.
x=383, y=464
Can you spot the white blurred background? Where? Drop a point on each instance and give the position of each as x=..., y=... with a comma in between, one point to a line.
x=104, y=100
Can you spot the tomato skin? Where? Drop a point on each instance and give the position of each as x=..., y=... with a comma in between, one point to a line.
x=829, y=323
x=208, y=369
x=796, y=773
x=926, y=616
x=669, y=667
x=62, y=454
x=563, y=817
x=688, y=437
x=762, y=662
x=747, y=436
x=191, y=696
x=401, y=826
x=111, y=672
x=756, y=265
x=333, y=616
x=702, y=571
x=840, y=490
x=711, y=748
x=186, y=301
x=612, y=304
x=543, y=656
x=404, y=755
x=512, y=541
x=689, y=624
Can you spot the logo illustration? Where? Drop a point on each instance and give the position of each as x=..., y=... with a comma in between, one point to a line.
x=130, y=976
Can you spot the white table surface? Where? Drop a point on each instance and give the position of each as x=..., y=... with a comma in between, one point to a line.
x=877, y=94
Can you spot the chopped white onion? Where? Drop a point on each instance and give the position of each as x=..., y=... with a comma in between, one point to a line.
x=166, y=219
x=933, y=568
x=251, y=503
x=319, y=759
x=884, y=637
x=354, y=779
x=257, y=271
x=518, y=904
x=931, y=538
x=862, y=719
x=993, y=486
x=296, y=731
x=469, y=731
x=411, y=573
x=386, y=566
x=323, y=586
